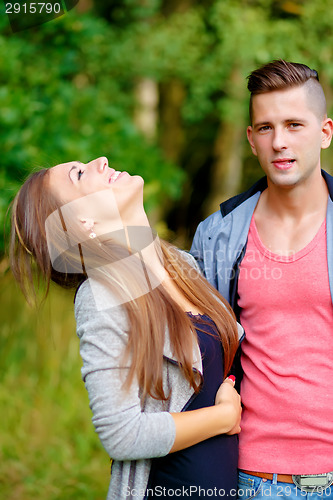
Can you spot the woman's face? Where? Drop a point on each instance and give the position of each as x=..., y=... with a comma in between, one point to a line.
x=99, y=192
x=72, y=180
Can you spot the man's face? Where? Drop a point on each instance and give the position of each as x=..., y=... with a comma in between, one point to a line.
x=287, y=135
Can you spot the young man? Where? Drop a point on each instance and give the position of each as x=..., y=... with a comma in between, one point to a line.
x=270, y=253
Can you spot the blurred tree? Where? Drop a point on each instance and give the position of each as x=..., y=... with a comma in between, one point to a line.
x=65, y=94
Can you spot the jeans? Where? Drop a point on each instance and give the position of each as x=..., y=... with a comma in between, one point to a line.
x=256, y=487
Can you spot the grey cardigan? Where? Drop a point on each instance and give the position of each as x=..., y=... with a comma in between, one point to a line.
x=131, y=432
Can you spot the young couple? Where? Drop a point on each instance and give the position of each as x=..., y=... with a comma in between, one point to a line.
x=158, y=341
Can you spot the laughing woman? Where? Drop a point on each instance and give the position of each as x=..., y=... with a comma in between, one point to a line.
x=156, y=340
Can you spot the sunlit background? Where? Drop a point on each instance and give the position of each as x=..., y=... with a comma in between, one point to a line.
x=159, y=87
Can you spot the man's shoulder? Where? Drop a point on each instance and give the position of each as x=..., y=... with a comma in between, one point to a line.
x=229, y=205
x=214, y=222
x=211, y=221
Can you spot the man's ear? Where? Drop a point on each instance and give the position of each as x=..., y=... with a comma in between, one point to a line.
x=249, y=133
x=327, y=131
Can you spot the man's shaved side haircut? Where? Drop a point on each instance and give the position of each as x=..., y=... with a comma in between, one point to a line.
x=283, y=75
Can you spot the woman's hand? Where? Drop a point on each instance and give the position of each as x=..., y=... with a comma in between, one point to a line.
x=231, y=401
x=222, y=418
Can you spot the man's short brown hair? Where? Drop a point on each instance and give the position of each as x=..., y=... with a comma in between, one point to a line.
x=281, y=75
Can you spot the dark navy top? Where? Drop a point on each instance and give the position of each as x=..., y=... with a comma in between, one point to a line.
x=212, y=464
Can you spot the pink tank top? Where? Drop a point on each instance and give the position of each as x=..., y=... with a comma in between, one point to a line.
x=287, y=358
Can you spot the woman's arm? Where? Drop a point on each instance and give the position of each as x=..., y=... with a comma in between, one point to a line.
x=125, y=431
x=197, y=425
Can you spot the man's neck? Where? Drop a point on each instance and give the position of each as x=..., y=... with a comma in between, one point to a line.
x=295, y=202
x=288, y=219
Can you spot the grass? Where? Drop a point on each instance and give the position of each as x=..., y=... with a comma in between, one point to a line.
x=48, y=446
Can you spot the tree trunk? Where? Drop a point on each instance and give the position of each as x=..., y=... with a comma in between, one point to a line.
x=227, y=168
x=171, y=129
x=145, y=116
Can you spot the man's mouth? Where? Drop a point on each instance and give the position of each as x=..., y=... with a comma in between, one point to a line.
x=283, y=163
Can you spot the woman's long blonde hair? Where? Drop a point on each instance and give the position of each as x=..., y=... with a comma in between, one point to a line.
x=149, y=315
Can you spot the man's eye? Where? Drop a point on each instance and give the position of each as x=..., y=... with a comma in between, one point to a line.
x=79, y=174
x=295, y=125
x=264, y=128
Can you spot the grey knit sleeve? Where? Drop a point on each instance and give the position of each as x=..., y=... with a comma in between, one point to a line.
x=126, y=432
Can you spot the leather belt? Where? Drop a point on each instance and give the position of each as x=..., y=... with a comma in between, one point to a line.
x=281, y=478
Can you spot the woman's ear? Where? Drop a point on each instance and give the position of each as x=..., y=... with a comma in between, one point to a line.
x=88, y=225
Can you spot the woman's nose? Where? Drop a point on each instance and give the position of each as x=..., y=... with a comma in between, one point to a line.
x=100, y=164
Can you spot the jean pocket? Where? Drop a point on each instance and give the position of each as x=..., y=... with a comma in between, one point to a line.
x=248, y=486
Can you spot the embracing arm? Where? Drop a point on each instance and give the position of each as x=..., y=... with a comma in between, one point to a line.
x=198, y=425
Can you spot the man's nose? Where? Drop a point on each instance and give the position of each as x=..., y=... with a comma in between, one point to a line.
x=279, y=140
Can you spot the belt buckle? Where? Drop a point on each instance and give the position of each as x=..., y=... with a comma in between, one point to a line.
x=313, y=482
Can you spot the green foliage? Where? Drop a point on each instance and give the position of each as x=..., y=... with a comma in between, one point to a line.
x=48, y=445
x=66, y=93
x=67, y=88
x=125, y=13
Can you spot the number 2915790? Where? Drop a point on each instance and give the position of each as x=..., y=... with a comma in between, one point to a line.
x=33, y=8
